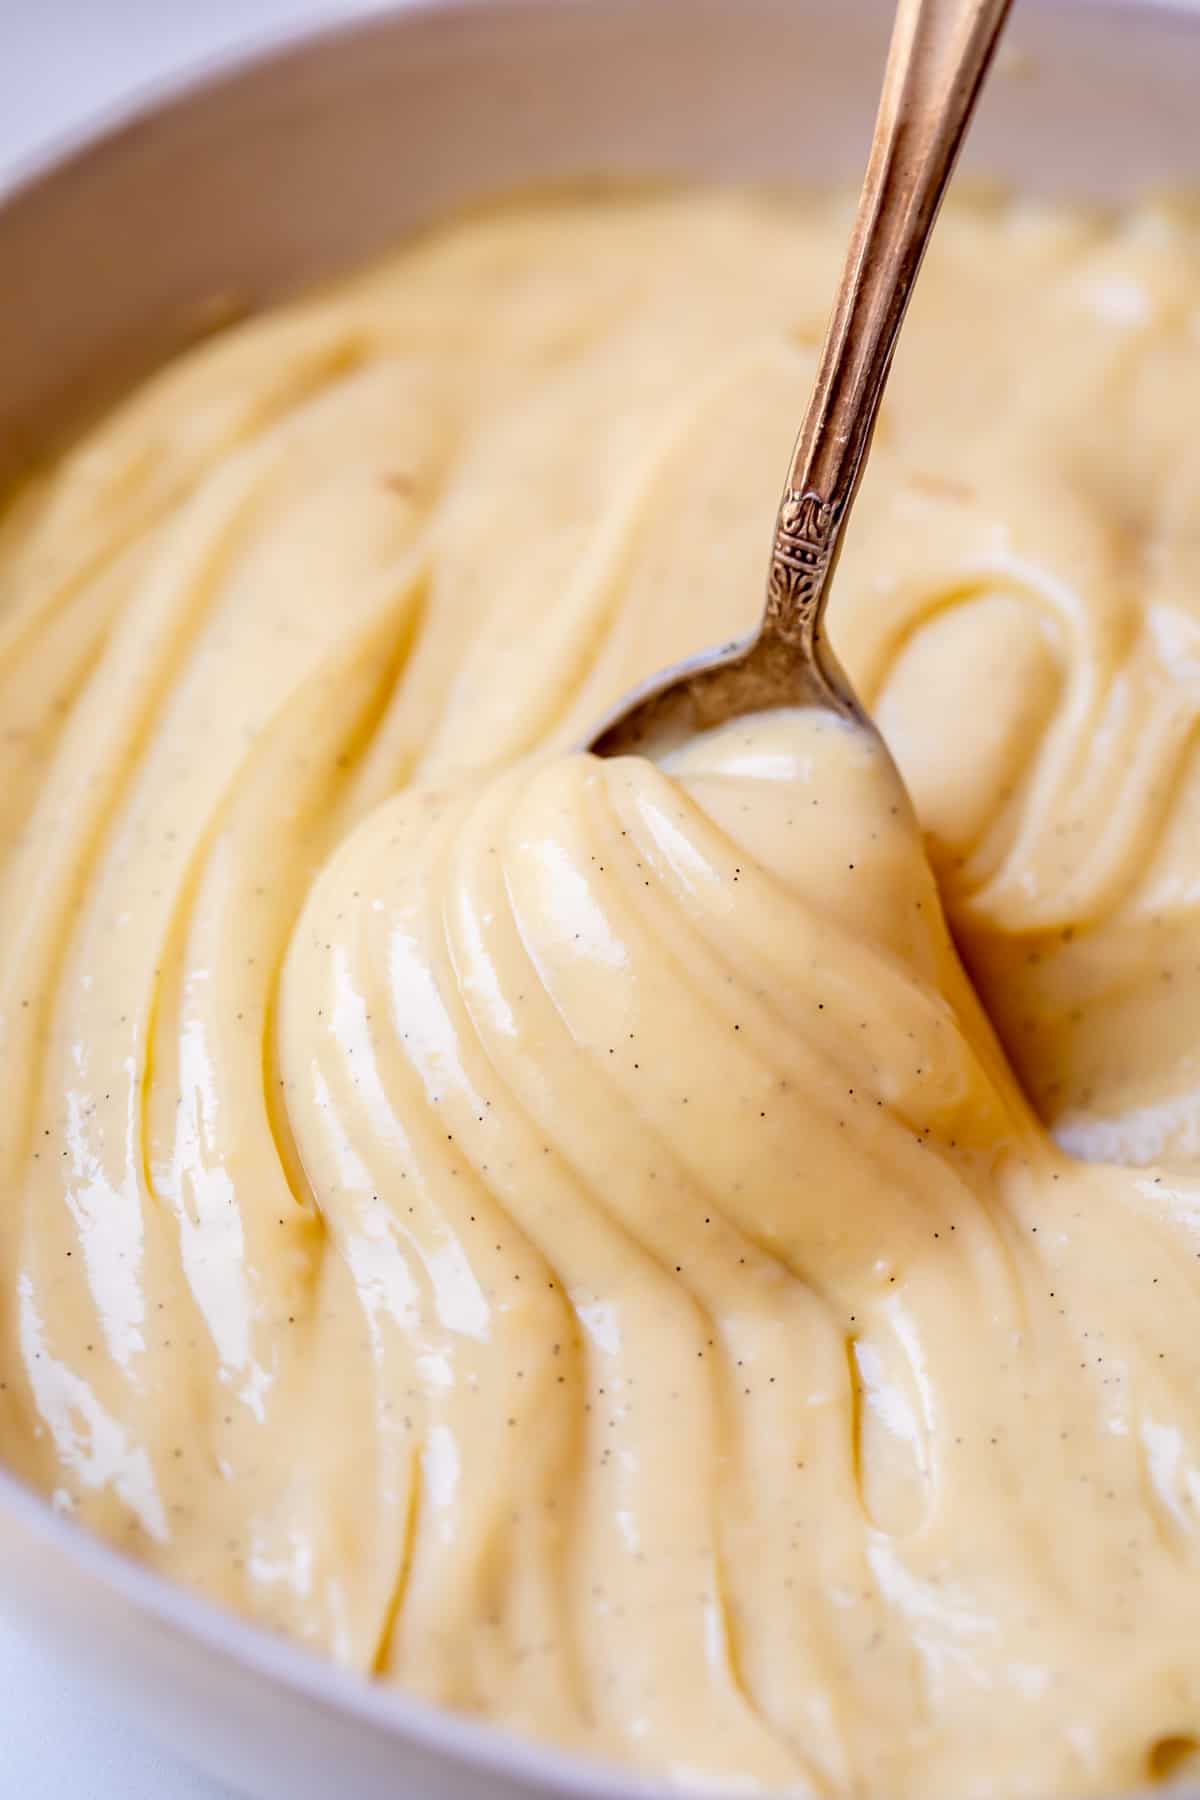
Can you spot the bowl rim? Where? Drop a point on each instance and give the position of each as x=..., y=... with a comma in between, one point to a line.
x=285, y=1663
x=100, y=126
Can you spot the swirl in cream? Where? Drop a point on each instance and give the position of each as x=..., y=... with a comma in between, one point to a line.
x=563, y=1235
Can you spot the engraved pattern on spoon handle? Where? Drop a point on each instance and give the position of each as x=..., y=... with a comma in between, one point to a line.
x=800, y=564
x=939, y=55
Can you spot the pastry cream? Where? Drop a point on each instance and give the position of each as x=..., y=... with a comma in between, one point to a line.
x=569, y=1237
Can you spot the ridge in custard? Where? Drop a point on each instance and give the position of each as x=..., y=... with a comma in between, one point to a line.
x=572, y=1238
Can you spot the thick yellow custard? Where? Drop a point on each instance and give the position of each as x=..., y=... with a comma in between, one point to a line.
x=566, y=1236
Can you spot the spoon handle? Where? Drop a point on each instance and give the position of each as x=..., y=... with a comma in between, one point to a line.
x=939, y=55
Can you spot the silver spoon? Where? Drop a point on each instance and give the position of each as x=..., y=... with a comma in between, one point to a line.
x=939, y=55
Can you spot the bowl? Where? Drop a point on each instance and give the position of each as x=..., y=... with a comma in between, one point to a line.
x=262, y=175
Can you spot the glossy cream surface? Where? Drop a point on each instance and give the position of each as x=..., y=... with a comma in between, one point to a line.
x=572, y=1238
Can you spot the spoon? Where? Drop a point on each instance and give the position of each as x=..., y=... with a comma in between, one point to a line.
x=939, y=55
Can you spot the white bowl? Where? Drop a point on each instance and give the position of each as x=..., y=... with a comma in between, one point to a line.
x=228, y=193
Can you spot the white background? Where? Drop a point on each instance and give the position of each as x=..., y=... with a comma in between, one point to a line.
x=62, y=62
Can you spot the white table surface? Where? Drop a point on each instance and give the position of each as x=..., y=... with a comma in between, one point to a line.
x=63, y=62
